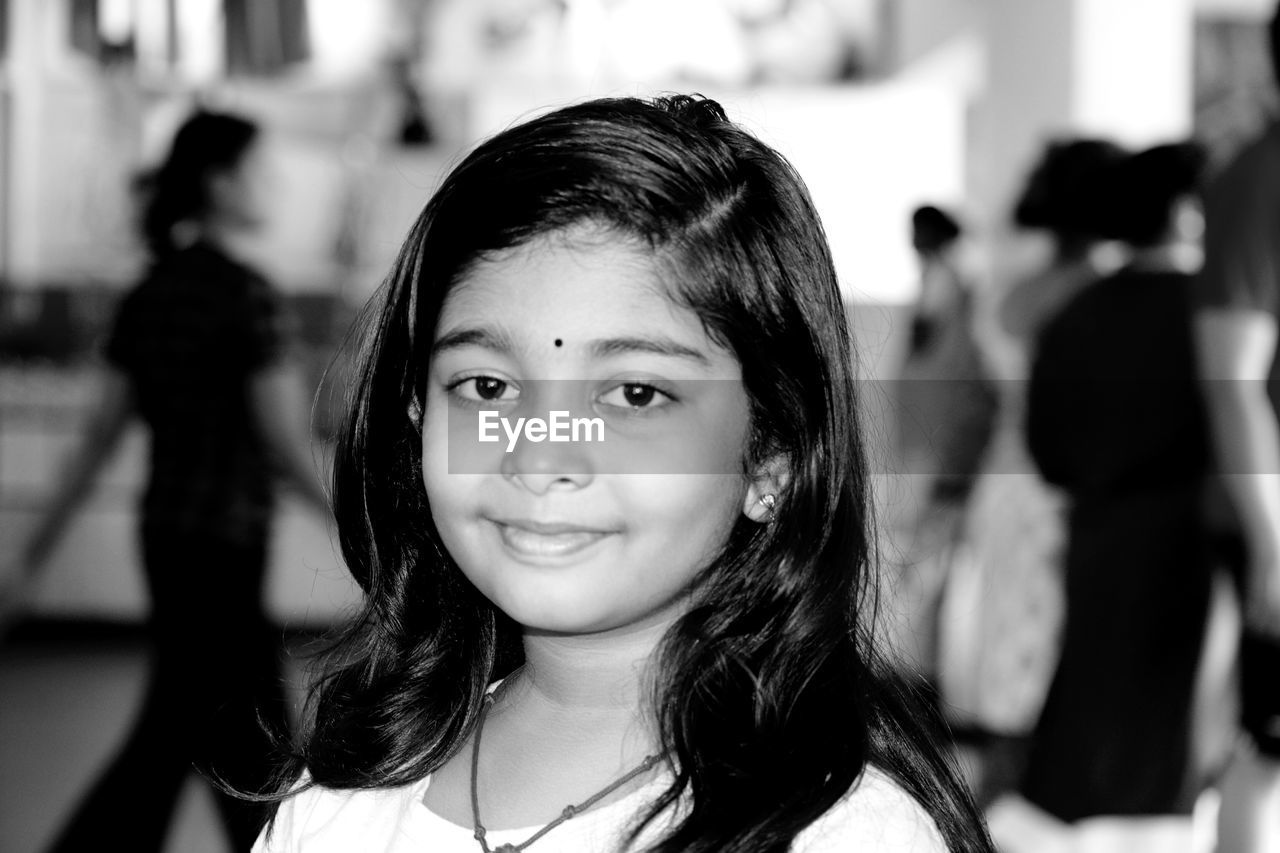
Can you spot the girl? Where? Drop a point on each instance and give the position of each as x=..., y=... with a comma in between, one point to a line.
x=680, y=652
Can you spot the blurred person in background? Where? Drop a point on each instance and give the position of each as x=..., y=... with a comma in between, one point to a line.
x=944, y=409
x=1060, y=201
x=1002, y=610
x=1237, y=304
x=1114, y=418
x=948, y=403
x=198, y=352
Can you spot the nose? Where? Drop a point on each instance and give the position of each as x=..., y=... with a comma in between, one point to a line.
x=545, y=465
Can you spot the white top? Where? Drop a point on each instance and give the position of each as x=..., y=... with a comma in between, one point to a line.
x=875, y=815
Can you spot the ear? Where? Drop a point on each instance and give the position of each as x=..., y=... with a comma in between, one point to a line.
x=414, y=411
x=765, y=490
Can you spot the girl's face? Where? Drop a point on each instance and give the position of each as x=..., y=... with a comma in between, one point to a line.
x=557, y=534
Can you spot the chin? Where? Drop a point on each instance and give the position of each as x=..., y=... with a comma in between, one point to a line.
x=581, y=618
x=557, y=618
x=535, y=607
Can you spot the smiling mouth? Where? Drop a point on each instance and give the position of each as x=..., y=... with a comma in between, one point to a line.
x=536, y=539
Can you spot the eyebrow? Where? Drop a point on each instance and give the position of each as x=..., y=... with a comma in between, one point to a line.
x=497, y=340
x=485, y=337
x=653, y=346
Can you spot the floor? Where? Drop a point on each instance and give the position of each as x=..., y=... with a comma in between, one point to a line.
x=67, y=704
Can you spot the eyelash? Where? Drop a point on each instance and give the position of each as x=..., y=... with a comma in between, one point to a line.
x=455, y=390
x=477, y=400
x=654, y=392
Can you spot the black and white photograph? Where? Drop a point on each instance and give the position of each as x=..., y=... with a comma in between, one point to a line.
x=640, y=426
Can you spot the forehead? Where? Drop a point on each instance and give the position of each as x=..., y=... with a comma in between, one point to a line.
x=579, y=278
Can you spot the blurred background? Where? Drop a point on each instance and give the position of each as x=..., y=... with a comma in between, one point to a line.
x=882, y=105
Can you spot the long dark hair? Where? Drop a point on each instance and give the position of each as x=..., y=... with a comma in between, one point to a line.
x=177, y=190
x=771, y=697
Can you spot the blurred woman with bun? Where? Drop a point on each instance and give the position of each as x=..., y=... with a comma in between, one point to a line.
x=1114, y=418
x=995, y=682
x=1061, y=201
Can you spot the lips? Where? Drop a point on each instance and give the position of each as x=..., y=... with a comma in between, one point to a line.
x=536, y=539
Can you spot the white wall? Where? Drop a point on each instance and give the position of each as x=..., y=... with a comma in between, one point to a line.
x=1114, y=68
x=1236, y=8
x=869, y=154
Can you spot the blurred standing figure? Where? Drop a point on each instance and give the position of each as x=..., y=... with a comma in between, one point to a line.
x=996, y=670
x=1115, y=419
x=1238, y=302
x=198, y=352
x=1015, y=521
x=947, y=400
x=1060, y=199
x=945, y=406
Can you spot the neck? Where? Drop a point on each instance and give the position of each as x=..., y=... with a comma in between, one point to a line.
x=604, y=672
x=1169, y=256
x=232, y=240
x=569, y=725
x=1070, y=248
x=590, y=688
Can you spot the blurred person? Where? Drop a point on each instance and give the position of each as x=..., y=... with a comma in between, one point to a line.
x=1237, y=304
x=1115, y=419
x=949, y=401
x=1002, y=612
x=1009, y=582
x=944, y=409
x=198, y=352
x=1060, y=200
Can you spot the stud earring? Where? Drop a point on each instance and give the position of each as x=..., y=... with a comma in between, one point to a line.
x=769, y=502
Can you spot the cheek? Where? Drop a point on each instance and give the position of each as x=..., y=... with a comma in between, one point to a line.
x=449, y=494
x=685, y=520
x=436, y=475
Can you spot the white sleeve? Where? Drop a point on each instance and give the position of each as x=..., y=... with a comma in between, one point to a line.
x=875, y=815
x=277, y=837
x=280, y=836
x=283, y=834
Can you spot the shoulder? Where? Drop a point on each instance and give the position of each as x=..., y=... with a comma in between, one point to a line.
x=877, y=814
x=200, y=271
x=210, y=267
x=1261, y=154
x=326, y=820
x=1075, y=315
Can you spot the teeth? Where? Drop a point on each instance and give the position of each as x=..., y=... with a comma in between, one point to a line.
x=546, y=544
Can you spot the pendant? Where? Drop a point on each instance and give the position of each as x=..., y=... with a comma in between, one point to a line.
x=507, y=848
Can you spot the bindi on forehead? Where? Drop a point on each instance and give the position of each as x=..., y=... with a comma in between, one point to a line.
x=559, y=342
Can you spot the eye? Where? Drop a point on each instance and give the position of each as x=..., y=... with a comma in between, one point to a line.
x=636, y=395
x=484, y=389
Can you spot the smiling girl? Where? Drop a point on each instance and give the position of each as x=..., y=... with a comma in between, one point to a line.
x=658, y=641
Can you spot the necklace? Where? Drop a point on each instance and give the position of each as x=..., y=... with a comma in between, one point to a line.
x=569, y=811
